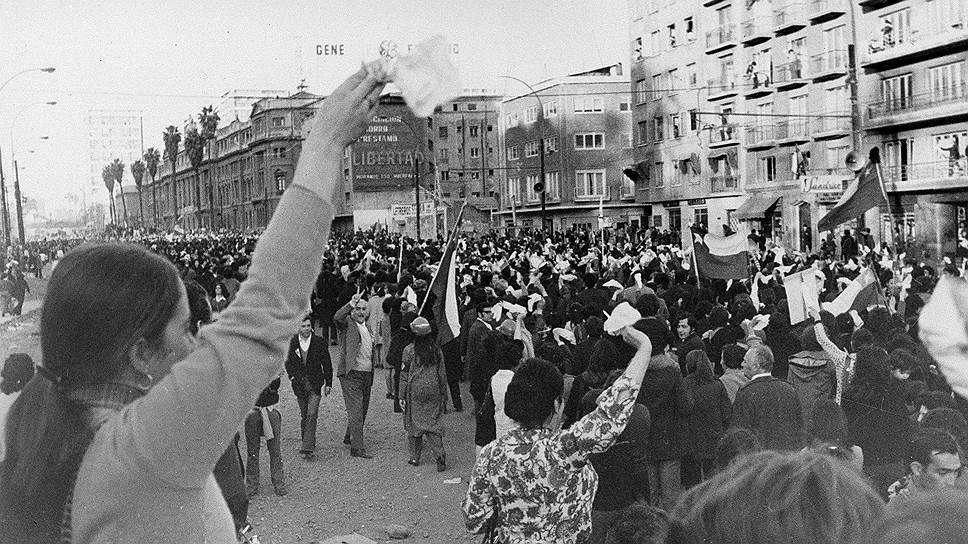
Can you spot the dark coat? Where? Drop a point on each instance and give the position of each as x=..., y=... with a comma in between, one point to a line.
x=623, y=468
x=877, y=422
x=316, y=372
x=783, y=343
x=709, y=418
x=669, y=402
x=482, y=343
x=682, y=347
x=770, y=408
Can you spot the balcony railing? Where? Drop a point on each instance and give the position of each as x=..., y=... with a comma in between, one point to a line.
x=723, y=135
x=828, y=64
x=720, y=38
x=790, y=75
x=941, y=171
x=761, y=135
x=721, y=87
x=831, y=123
x=792, y=16
x=897, y=47
x=918, y=102
x=793, y=129
x=720, y=183
x=757, y=30
x=823, y=10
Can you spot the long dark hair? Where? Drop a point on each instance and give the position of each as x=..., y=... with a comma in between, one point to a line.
x=100, y=301
x=425, y=350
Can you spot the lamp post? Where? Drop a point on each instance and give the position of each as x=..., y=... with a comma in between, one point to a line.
x=16, y=170
x=541, y=149
x=4, y=210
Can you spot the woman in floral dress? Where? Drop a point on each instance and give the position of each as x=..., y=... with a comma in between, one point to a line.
x=535, y=485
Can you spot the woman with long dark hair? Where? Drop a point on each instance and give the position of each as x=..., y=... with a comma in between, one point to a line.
x=116, y=438
x=423, y=394
x=708, y=420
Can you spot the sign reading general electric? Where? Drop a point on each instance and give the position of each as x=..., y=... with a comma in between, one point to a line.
x=383, y=158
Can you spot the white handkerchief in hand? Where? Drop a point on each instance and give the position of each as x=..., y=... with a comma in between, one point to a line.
x=622, y=316
x=942, y=327
x=427, y=78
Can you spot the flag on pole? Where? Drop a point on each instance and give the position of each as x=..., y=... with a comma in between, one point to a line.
x=865, y=192
x=722, y=257
x=444, y=289
x=864, y=291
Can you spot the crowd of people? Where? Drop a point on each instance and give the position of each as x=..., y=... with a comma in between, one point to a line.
x=618, y=395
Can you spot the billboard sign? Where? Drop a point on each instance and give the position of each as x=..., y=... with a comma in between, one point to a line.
x=383, y=157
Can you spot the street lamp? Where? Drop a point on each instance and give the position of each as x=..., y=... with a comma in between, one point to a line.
x=541, y=148
x=4, y=211
x=16, y=171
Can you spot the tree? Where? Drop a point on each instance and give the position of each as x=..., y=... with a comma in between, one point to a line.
x=117, y=170
x=138, y=173
x=172, y=139
x=195, y=148
x=209, y=120
x=108, y=176
x=152, y=158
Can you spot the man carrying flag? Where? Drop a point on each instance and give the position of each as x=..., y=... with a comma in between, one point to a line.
x=865, y=192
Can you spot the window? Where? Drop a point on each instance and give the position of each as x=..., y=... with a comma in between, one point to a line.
x=655, y=43
x=442, y=132
x=445, y=175
x=946, y=81
x=674, y=123
x=656, y=86
x=658, y=126
x=511, y=120
x=835, y=152
x=460, y=150
x=550, y=108
x=643, y=132
x=837, y=100
x=637, y=53
x=835, y=45
x=475, y=131
x=766, y=169
x=896, y=92
x=552, y=186
x=623, y=106
x=692, y=78
x=677, y=173
x=690, y=29
x=947, y=15
x=514, y=189
x=590, y=141
x=947, y=148
x=589, y=184
x=673, y=81
x=475, y=152
x=693, y=120
x=512, y=153
x=531, y=149
x=278, y=122
x=701, y=216
x=529, y=183
x=442, y=154
x=658, y=175
x=900, y=28
x=671, y=29
x=551, y=144
x=531, y=114
x=472, y=107
x=641, y=91
x=279, y=152
x=589, y=104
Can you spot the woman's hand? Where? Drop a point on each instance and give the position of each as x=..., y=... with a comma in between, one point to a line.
x=637, y=339
x=344, y=114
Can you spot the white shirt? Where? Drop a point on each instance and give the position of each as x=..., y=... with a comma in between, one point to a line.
x=304, y=345
x=6, y=401
x=760, y=375
x=364, y=361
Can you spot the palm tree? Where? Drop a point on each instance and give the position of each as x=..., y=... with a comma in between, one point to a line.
x=108, y=178
x=138, y=173
x=117, y=170
x=172, y=138
x=195, y=148
x=209, y=120
x=152, y=158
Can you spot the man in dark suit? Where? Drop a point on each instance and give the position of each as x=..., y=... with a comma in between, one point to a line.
x=768, y=406
x=310, y=372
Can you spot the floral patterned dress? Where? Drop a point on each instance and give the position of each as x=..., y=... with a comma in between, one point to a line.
x=539, y=482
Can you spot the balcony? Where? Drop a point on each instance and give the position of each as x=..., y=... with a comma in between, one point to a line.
x=720, y=39
x=828, y=65
x=762, y=86
x=760, y=137
x=793, y=131
x=947, y=103
x=903, y=49
x=722, y=183
x=875, y=4
x=825, y=10
x=721, y=88
x=723, y=136
x=789, y=18
x=707, y=3
x=929, y=176
x=757, y=30
x=791, y=75
x=831, y=124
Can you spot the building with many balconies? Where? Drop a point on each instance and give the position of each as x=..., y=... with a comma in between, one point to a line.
x=914, y=106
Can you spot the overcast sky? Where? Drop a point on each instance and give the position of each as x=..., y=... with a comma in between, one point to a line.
x=170, y=58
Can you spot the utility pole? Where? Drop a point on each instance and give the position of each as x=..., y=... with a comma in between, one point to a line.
x=19, y=204
x=416, y=190
x=541, y=181
x=4, y=211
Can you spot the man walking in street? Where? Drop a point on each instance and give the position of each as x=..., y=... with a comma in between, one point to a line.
x=310, y=372
x=355, y=370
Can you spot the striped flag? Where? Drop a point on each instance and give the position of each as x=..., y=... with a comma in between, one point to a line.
x=722, y=257
x=444, y=289
x=865, y=192
x=864, y=291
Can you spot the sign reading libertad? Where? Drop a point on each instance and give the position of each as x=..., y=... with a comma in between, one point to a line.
x=384, y=156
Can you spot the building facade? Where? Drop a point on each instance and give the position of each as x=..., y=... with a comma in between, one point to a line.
x=111, y=134
x=914, y=96
x=583, y=125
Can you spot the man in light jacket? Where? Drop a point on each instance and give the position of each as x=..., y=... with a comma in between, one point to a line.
x=354, y=368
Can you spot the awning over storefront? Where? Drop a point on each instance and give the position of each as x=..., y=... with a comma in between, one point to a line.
x=755, y=207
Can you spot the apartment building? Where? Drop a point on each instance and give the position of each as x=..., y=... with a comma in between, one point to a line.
x=583, y=124
x=914, y=106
